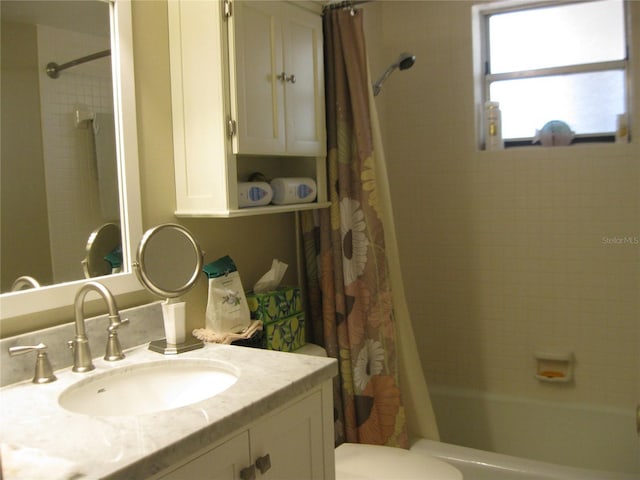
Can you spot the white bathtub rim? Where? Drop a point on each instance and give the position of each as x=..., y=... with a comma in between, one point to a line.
x=464, y=392
x=460, y=456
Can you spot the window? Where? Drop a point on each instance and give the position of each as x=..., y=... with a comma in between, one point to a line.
x=562, y=61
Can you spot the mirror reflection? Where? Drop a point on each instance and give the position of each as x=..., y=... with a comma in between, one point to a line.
x=104, y=251
x=58, y=159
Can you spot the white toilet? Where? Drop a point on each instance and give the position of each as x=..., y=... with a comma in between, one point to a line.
x=356, y=461
x=373, y=462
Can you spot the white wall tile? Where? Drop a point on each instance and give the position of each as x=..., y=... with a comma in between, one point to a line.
x=72, y=191
x=507, y=255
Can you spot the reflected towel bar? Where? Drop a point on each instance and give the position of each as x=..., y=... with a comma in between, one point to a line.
x=53, y=69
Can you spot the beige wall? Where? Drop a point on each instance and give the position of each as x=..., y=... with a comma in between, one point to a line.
x=252, y=242
x=22, y=162
x=504, y=253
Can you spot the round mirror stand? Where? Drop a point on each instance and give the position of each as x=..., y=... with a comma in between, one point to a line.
x=163, y=345
x=168, y=263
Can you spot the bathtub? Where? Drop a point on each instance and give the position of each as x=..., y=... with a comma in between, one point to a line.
x=481, y=465
x=589, y=437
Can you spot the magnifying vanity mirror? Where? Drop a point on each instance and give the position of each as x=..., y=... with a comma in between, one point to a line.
x=69, y=149
x=168, y=263
x=104, y=251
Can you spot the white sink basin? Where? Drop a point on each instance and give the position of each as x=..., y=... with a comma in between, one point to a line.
x=149, y=387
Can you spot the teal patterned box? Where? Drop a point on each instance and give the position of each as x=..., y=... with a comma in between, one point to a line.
x=286, y=334
x=275, y=305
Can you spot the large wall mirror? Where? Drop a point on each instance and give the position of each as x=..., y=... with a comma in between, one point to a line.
x=69, y=154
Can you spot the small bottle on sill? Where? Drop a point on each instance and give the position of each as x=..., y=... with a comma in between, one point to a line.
x=493, y=126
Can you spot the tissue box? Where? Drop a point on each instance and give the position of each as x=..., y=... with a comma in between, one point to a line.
x=286, y=334
x=283, y=319
x=274, y=305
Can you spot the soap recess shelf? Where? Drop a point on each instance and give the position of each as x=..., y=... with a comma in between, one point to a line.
x=554, y=367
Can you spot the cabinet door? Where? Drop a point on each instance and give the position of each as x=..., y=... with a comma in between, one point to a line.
x=303, y=60
x=224, y=462
x=294, y=441
x=259, y=95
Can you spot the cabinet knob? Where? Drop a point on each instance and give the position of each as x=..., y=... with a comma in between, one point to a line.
x=248, y=473
x=292, y=78
x=263, y=463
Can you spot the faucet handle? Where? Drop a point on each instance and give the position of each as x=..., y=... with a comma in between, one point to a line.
x=114, y=325
x=43, y=372
x=114, y=350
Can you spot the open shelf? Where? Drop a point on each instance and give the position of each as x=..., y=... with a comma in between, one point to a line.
x=246, y=212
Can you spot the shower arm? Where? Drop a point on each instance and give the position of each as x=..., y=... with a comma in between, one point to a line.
x=377, y=87
x=53, y=69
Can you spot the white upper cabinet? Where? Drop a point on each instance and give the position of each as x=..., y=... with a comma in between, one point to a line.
x=276, y=60
x=247, y=87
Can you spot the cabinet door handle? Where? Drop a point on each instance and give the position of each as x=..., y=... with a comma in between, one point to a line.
x=263, y=463
x=248, y=473
x=286, y=78
x=283, y=77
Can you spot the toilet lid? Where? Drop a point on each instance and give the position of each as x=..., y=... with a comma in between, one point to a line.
x=373, y=462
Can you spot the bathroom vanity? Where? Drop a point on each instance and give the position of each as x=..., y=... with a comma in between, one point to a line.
x=275, y=421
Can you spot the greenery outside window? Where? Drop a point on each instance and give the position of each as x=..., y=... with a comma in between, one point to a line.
x=559, y=60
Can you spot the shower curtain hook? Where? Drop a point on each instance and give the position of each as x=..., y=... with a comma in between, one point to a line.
x=352, y=11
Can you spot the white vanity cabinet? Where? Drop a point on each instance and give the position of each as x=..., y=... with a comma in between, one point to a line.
x=295, y=442
x=247, y=86
x=221, y=463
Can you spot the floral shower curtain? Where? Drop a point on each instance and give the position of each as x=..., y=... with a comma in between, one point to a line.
x=347, y=270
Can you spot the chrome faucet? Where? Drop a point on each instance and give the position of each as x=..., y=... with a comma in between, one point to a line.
x=80, y=344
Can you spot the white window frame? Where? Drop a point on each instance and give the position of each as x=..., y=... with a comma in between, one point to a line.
x=483, y=78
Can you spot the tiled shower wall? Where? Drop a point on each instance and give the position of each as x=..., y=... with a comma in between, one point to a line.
x=70, y=168
x=511, y=252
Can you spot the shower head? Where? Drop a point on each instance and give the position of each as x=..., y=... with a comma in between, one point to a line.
x=404, y=62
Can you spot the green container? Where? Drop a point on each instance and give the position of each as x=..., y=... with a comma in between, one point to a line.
x=275, y=305
x=286, y=334
x=282, y=317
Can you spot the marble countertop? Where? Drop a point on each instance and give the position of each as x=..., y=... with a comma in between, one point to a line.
x=40, y=439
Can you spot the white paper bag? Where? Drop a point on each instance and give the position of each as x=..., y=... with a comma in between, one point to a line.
x=227, y=309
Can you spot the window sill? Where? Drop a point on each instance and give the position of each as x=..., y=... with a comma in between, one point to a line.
x=528, y=142
x=614, y=148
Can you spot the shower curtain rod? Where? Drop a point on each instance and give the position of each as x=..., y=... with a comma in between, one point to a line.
x=53, y=69
x=345, y=4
